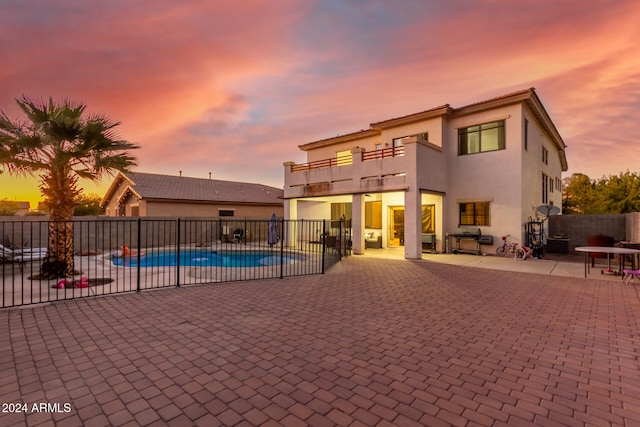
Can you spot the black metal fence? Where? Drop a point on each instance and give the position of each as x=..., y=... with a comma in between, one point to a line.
x=124, y=255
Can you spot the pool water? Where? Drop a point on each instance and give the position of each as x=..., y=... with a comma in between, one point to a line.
x=206, y=258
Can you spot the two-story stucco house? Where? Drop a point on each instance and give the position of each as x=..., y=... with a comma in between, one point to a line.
x=487, y=165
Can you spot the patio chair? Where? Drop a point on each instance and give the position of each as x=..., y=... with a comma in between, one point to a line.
x=22, y=256
x=238, y=235
x=332, y=244
x=630, y=274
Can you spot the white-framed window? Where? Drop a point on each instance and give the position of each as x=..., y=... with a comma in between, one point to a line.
x=481, y=138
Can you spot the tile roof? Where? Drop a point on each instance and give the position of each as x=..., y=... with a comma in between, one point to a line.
x=170, y=187
x=501, y=97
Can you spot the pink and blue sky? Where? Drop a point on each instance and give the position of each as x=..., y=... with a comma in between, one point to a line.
x=233, y=87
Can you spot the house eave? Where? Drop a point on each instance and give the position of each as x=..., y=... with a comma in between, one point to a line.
x=111, y=191
x=412, y=118
x=208, y=202
x=339, y=139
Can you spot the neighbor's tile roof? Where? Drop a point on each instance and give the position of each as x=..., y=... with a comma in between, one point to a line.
x=155, y=186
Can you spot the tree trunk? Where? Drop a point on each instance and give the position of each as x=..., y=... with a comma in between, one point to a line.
x=59, y=261
x=60, y=192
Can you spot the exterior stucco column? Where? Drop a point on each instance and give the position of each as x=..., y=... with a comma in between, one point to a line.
x=290, y=216
x=412, y=223
x=357, y=224
x=290, y=209
x=412, y=203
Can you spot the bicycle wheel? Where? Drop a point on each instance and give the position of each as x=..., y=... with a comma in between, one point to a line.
x=520, y=254
x=501, y=250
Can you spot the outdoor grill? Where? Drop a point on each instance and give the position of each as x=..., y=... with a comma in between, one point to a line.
x=466, y=233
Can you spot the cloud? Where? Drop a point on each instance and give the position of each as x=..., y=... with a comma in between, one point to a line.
x=234, y=88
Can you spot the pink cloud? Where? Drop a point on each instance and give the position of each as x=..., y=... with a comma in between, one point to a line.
x=235, y=88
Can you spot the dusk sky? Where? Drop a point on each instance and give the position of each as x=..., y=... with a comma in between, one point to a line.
x=233, y=87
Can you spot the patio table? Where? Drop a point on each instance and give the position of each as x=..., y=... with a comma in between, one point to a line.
x=606, y=250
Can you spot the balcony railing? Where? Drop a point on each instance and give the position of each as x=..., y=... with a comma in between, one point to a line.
x=342, y=161
x=382, y=154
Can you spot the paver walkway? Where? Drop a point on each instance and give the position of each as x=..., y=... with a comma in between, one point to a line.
x=374, y=342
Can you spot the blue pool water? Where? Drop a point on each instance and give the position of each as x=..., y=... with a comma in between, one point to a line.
x=206, y=258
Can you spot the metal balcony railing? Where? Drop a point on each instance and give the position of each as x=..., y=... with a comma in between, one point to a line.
x=342, y=161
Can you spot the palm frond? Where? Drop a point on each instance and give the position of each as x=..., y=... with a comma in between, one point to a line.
x=62, y=143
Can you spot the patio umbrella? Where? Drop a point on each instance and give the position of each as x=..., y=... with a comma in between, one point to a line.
x=273, y=236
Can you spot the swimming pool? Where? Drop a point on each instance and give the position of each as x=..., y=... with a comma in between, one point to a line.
x=207, y=258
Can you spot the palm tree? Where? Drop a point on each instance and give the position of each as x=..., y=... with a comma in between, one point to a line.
x=60, y=143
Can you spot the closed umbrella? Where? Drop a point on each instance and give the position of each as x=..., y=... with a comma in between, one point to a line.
x=273, y=236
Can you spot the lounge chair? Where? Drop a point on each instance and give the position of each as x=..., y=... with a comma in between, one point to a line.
x=22, y=256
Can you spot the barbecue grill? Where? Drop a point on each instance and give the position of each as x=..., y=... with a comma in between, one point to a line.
x=466, y=233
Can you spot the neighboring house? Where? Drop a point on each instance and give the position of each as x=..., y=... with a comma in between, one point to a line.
x=147, y=194
x=9, y=207
x=25, y=207
x=487, y=165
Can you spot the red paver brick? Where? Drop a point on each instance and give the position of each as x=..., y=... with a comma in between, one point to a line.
x=373, y=341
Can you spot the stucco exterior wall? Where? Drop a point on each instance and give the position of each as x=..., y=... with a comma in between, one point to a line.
x=533, y=168
x=492, y=176
x=329, y=152
x=431, y=126
x=111, y=208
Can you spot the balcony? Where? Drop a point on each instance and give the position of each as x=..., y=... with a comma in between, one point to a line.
x=363, y=171
x=343, y=161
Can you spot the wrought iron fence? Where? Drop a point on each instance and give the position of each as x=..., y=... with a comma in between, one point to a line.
x=123, y=255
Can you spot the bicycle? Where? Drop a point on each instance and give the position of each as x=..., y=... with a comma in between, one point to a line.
x=507, y=246
x=523, y=253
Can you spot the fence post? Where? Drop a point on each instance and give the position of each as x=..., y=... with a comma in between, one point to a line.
x=324, y=241
x=300, y=232
x=178, y=255
x=138, y=271
x=340, y=238
x=282, y=249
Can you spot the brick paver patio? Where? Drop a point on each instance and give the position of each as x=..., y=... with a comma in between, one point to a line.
x=374, y=342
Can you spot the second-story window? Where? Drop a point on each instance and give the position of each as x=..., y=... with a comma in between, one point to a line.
x=398, y=146
x=481, y=138
x=545, y=156
x=398, y=143
x=344, y=158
